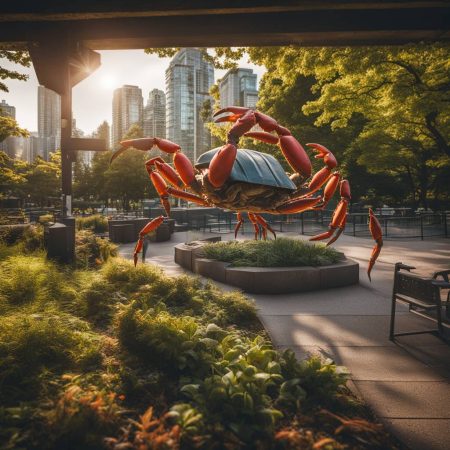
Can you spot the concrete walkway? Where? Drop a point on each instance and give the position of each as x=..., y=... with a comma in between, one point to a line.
x=406, y=383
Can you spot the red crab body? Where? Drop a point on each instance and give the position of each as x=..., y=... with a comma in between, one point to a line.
x=247, y=181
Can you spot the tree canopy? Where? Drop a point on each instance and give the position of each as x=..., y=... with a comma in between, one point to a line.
x=384, y=112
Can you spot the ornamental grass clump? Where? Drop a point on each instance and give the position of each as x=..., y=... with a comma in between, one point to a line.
x=281, y=252
x=35, y=347
x=33, y=279
x=96, y=223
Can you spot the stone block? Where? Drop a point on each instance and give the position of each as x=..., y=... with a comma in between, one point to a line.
x=343, y=273
x=123, y=233
x=216, y=270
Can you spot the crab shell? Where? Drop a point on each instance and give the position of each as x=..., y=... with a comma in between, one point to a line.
x=257, y=183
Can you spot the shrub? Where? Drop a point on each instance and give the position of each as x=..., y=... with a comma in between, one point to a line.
x=27, y=279
x=82, y=417
x=96, y=223
x=91, y=251
x=32, y=345
x=28, y=237
x=281, y=252
x=164, y=341
x=128, y=278
x=46, y=219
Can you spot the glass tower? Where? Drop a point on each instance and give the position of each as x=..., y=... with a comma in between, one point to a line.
x=127, y=111
x=155, y=114
x=238, y=88
x=49, y=120
x=188, y=80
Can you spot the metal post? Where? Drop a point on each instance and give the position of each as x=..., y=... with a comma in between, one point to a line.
x=445, y=224
x=421, y=227
x=66, y=156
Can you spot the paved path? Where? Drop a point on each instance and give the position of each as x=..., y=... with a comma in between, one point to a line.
x=406, y=383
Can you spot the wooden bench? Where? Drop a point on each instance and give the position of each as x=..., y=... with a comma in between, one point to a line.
x=421, y=294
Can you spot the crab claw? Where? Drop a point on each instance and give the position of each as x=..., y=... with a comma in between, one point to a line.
x=145, y=144
x=375, y=231
x=239, y=110
x=323, y=152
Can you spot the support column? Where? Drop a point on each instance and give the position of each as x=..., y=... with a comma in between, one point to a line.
x=66, y=134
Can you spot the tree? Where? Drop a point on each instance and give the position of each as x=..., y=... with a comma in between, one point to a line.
x=127, y=179
x=16, y=56
x=9, y=127
x=399, y=93
x=44, y=179
x=12, y=176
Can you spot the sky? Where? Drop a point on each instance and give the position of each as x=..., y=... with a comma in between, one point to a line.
x=92, y=98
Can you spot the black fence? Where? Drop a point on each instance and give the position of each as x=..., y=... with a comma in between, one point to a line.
x=422, y=226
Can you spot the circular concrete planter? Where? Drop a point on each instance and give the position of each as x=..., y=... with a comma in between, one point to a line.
x=267, y=280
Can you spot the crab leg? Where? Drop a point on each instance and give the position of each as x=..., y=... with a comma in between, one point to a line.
x=161, y=188
x=183, y=166
x=375, y=231
x=338, y=220
x=265, y=226
x=329, y=190
x=187, y=196
x=238, y=225
x=297, y=205
x=166, y=171
x=151, y=226
x=255, y=224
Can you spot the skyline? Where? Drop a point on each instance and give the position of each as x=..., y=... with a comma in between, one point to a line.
x=92, y=98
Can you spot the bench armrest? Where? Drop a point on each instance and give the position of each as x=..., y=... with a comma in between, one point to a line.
x=441, y=284
x=443, y=273
x=400, y=265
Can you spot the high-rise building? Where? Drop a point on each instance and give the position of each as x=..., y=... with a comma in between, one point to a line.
x=7, y=110
x=7, y=145
x=49, y=120
x=238, y=88
x=155, y=114
x=188, y=80
x=127, y=111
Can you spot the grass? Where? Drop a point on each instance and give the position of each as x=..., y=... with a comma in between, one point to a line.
x=281, y=252
x=123, y=357
x=96, y=223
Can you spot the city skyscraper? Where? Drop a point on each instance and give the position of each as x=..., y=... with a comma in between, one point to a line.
x=7, y=110
x=127, y=111
x=155, y=114
x=49, y=121
x=238, y=88
x=188, y=80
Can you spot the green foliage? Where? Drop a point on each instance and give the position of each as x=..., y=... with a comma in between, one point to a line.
x=10, y=127
x=280, y=252
x=18, y=56
x=91, y=251
x=164, y=341
x=12, y=176
x=84, y=353
x=28, y=237
x=33, y=346
x=96, y=223
x=82, y=416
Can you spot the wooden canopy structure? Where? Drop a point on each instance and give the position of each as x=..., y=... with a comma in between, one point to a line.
x=62, y=36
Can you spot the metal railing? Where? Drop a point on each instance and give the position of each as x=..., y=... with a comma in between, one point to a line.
x=422, y=226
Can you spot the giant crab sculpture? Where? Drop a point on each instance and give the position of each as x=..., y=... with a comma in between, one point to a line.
x=250, y=182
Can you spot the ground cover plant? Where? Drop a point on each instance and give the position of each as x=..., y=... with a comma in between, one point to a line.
x=118, y=357
x=281, y=252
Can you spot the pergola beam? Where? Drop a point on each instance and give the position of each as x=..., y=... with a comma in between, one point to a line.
x=101, y=26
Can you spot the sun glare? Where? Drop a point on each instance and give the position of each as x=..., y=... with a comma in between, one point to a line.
x=108, y=81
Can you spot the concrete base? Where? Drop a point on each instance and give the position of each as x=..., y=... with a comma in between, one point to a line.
x=267, y=280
